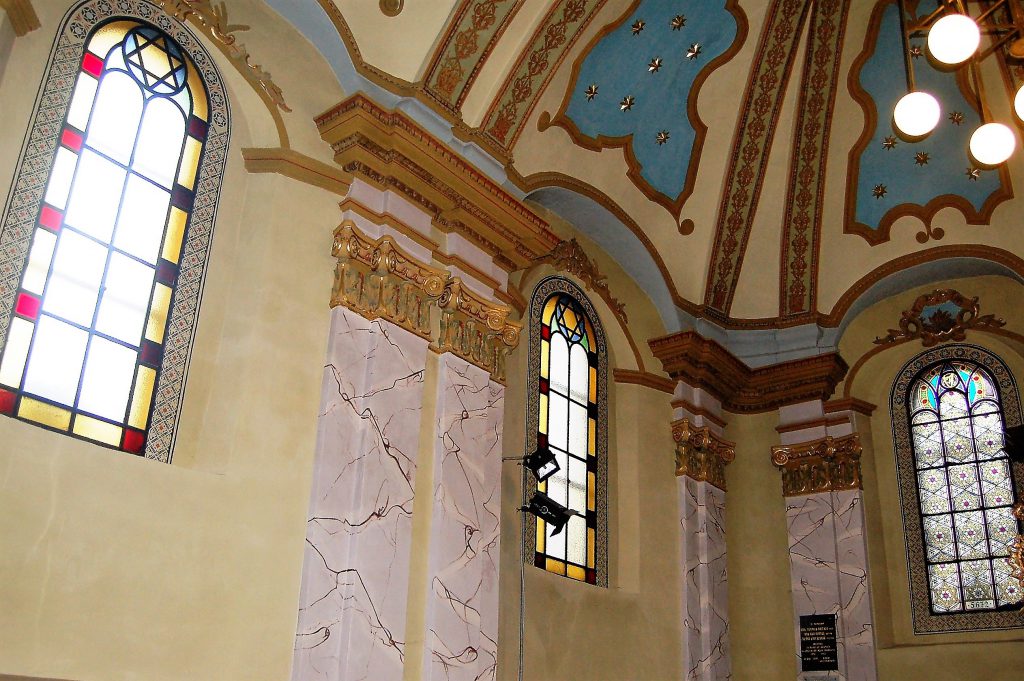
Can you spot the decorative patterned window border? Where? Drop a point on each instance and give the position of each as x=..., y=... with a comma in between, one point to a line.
x=925, y=622
x=23, y=202
x=545, y=289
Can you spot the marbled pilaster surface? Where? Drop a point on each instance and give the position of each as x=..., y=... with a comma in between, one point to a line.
x=352, y=608
x=462, y=597
x=705, y=591
x=828, y=568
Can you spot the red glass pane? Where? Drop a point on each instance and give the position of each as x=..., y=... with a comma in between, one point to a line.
x=182, y=198
x=50, y=218
x=151, y=353
x=545, y=332
x=591, y=576
x=543, y=386
x=166, y=272
x=92, y=64
x=197, y=128
x=27, y=306
x=7, y=399
x=71, y=139
x=134, y=441
x=539, y=560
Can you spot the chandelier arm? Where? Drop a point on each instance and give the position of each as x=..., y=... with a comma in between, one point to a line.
x=979, y=91
x=908, y=63
x=1007, y=37
x=984, y=15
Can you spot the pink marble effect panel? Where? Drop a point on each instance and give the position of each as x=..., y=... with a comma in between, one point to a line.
x=705, y=589
x=828, y=569
x=352, y=609
x=462, y=597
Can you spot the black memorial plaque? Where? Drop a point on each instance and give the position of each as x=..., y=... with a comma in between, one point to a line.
x=818, y=643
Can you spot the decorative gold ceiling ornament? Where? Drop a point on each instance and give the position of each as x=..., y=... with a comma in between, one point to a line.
x=475, y=329
x=830, y=464
x=1016, y=559
x=212, y=19
x=939, y=316
x=701, y=454
x=569, y=256
x=22, y=16
x=375, y=278
x=392, y=8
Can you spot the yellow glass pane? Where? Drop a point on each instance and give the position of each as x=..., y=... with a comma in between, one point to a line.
x=175, y=233
x=141, y=398
x=541, y=536
x=158, y=314
x=549, y=309
x=569, y=317
x=591, y=491
x=18, y=339
x=189, y=162
x=46, y=414
x=542, y=487
x=542, y=426
x=592, y=438
x=593, y=385
x=591, y=542
x=200, y=107
x=94, y=429
x=545, y=359
x=109, y=35
x=553, y=565
x=576, y=572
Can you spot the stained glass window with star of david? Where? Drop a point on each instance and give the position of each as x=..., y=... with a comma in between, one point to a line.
x=965, y=487
x=86, y=336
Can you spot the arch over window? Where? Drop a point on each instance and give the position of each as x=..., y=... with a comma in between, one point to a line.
x=569, y=413
x=107, y=229
x=957, y=486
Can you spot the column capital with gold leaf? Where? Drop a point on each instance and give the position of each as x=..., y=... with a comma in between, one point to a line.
x=701, y=454
x=829, y=464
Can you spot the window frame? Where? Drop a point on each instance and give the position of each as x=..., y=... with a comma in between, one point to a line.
x=32, y=172
x=924, y=620
x=544, y=290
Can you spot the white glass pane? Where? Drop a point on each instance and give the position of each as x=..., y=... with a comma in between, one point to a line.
x=558, y=421
x=39, y=261
x=115, y=117
x=125, y=299
x=578, y=429
x=576, y=538
x=19, y=336
x=95, y=196
x=160, y=142
x=75, y=282
x=60, y=178
x=554, y=546
x=81, y=101
x=953, y=405
x=559, y=379
x=140, y=226
x=56, y=362
x=109, y=370
x=579, y=374
x=559, y=490
x=577, y=485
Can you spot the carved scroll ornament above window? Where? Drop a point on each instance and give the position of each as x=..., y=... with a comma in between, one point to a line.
x=942, y=315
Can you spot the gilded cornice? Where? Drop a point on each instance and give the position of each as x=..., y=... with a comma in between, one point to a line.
x=830, y=464
x=701, y=454
x=475, y=329
x=703, y=363
x=388, y=149
x=22, y=16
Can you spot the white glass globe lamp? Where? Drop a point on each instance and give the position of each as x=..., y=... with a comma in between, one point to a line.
x=954, y=38
x=992, y=143
x=916, y=114
x=1018, y=103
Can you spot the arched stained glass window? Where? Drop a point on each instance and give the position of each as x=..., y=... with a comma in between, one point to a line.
x=964, y=482
x=113, y=241
x=571, y=415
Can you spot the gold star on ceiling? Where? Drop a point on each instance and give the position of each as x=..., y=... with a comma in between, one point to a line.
x=638, y=26
x=627, y=102
x=591, y=92
x=655, y=65
x=693, y=51
x=889, y=142
x=973, y=174
x=662, y=137
x=678, y=21
x=916, y=51
x=879, y=191
x=921, y=158
x=956, y=118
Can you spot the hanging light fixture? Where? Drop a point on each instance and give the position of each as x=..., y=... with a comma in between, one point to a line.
x=916, y=114
x=992, y=143
x=954, y=39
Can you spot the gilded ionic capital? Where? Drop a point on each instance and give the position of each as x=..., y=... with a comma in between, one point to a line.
x=826, y=465
x=700, y=453
x=476, y=329
x=376, y=278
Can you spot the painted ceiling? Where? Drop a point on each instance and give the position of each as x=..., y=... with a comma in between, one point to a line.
x=737, y=157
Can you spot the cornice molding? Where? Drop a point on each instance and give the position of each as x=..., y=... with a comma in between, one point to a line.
x=701, y=454
x=644, y=378
x=830, y=464
x=391, y=151
x=703, y=363
x=22, y=15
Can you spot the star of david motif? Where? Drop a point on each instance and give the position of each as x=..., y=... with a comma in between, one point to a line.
x=155, y=62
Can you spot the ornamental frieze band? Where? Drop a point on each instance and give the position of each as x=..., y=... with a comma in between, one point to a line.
x=830, y=464
x=701, y=454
